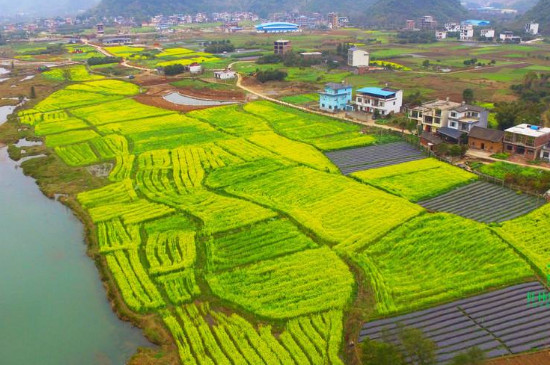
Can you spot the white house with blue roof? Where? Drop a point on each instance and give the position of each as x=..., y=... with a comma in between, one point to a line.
x=384, y=100
x=336, y=97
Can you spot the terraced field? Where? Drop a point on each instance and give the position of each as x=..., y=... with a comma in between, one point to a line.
x=233, y=229
x=484, y=202
x=500, y=323
x=358, y=159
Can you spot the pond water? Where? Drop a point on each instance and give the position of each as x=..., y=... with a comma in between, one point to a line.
x=180, y=99
x=5, y=111
x=52, y=303
x=4, y=71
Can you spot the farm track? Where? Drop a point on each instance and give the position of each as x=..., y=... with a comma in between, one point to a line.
x=484, y=202
x=500, y=322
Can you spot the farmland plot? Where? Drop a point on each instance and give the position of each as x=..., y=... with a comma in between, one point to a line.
x=329, y=205
x=358, y=159
x=499, y=322
x=484, y=202
x=434, y=258
x=320, y=131
x=241, y=204
x=418, y=179
x=530, y=234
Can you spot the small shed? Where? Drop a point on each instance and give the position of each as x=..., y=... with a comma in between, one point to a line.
x=225, y=75
x=430, y=140
x=486, y=139
x=195, y=68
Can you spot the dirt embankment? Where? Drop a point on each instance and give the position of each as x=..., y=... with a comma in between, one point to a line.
x=539, y=358
x=159, y=88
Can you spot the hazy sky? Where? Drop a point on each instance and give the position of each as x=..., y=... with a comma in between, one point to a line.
x=44, y=7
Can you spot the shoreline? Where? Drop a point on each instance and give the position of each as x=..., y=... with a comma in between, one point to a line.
x=150, y=325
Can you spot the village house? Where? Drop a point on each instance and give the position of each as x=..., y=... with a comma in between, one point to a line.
x=195, y=68
x=467, y=33
x=449, y=119
x=485, y=139
x=282, y=46
x=532, y=28
x=545, y=153
x=336, y=97
x=526, y=140
x=509, y=37
x=383, y=101
x=440, y=34
x=358, y=57
x=488, y=33
x=225, y=75
x=117, y=41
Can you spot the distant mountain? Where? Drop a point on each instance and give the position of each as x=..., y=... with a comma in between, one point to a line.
x=541, y=14
x=395, y=12
x=36, y=8
x=146, y=8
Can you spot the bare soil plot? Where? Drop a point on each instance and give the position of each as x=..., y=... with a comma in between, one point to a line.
x=500, y=323
x=364, y=158
x=484, y=202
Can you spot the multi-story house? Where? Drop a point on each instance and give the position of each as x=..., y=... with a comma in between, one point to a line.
x=526, y=140
x=449, y=119
x=532, y=28
x=358, y=57
x=282, y=46
x=440, y=34
x=545, y=153
x=488, y=33
x=373, y=99
x=336, y=97
x=467, y=33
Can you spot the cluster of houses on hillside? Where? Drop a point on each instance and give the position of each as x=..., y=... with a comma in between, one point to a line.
x=441, y=121
x=467, y=30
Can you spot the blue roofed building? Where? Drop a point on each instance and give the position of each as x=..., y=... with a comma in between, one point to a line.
x=476, y=22
x=382, y=100
x=336, y=97
x=277, y=27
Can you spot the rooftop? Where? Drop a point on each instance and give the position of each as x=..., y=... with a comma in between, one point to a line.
x=467, y=108
x=450, y=132
x=440, y=104
x=277, y=25
x=493, y=135
x=337, y=86
x=377, y=91
x=529, y=130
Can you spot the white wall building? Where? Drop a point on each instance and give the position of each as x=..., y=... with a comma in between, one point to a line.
x=532, y=28
x=195, y=69
x=385, y=101
x=488, y=33
x=358, y=57
x=467, y=33
x=439, y=35
x=225, y=75
x=453, y=27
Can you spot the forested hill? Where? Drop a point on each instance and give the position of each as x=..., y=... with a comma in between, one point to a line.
x=394, y=12
x=541, y=14
x=146, y=8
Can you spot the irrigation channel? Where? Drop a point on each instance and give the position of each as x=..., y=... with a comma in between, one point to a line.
x=53, y=306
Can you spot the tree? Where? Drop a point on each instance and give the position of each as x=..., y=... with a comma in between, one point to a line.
x=468, y=96
x=417, y=347
x=67, y=76
x=442, y=149
x=474, y=356
x=33, y=93
x=381, y=353
x=455, y=151
x=426, y=63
